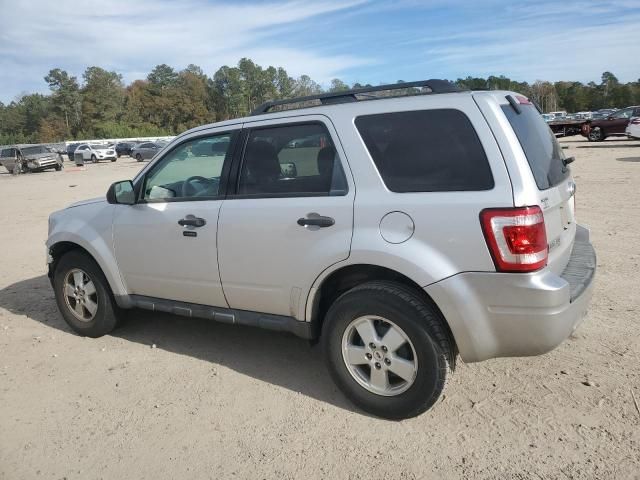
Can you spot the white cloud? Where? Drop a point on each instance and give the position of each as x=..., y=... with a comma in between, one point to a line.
x=133, y=36
x=541, y=43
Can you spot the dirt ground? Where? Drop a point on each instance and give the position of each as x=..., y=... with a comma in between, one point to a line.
x=217, y=401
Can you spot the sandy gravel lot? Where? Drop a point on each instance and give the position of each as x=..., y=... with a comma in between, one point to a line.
x=216, y=401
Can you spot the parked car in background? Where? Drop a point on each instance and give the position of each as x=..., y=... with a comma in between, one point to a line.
x=94, y=153
x=633, y=128
x=124, y=148
x=70, y=149
x=146, y=150
x=30, y=158
x=614, y=125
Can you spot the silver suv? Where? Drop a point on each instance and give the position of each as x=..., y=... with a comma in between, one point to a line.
x=398, y=225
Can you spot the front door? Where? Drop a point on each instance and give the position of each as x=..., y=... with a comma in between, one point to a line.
x=165, y=244
x=289, y=216
x=618, y=121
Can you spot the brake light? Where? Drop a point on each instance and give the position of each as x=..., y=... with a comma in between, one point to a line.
x=516, y=238
x=635, y=121
x=523, y=100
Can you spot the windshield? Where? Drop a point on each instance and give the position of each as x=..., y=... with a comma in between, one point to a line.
x=101, y=146
x=540, y=146
x=34, y=150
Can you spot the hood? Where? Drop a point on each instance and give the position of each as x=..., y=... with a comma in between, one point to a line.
x=87, y=202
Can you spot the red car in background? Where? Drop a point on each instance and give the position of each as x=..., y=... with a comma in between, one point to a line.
x=613, y=125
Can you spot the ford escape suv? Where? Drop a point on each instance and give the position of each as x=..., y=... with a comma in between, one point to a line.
x=398, y=225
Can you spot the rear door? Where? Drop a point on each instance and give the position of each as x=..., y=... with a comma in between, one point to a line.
x=289, y=215
x=553, y=187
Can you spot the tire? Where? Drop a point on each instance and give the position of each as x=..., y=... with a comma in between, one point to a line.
x=430, y=349
x=93, y=159
x=596, y=135
x=138, y=157
x=107, y=314
x=58, y=168
x=113, y=159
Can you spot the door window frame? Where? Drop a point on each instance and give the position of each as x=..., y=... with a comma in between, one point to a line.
x=233, y=183
x=232, y=152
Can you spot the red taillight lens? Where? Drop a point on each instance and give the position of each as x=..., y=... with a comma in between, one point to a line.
x=516, y=238
x=635, y=121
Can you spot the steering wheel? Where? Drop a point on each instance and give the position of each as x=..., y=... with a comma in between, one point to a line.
x=189, y=189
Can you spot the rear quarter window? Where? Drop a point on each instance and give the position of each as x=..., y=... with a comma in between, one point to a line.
x=426, y=151
x=539, y=144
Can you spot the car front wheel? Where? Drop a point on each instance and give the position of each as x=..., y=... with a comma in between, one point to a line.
x=138, y=157
x=83, y=295
x=596, y=135
x=387, y=349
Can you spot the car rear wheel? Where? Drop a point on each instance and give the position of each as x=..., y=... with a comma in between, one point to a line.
x=387, y=349
x=58, y=167
x=596, y=134
x=138, y=157
x=83, y=295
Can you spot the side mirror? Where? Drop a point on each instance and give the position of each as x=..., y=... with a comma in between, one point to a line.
x=121, y=193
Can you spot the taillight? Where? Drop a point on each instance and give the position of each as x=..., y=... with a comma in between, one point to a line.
x=635, y=121
x=516, y=238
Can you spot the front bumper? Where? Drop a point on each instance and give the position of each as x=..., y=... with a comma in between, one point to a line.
x=41, y=164
x=512, y=315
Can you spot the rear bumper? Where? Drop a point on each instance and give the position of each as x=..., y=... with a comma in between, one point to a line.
x=512, y=315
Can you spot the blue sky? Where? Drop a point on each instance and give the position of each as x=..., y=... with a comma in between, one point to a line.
x=366, y=41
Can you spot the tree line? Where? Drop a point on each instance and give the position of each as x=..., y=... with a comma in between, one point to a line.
x=168, y=101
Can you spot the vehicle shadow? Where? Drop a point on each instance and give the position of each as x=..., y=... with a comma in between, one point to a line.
x=276, y=358
x=628, y=159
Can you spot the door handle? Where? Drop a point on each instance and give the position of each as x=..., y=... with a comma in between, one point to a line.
x=316, y=220
x=192, y=221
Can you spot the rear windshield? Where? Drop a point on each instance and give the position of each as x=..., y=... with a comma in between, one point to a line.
x=426, y=151
x=540, y=146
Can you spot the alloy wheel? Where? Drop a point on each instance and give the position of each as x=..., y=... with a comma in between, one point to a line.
x=379, y=355
x=80, y=295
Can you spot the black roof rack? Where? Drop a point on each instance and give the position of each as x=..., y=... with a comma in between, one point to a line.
x=434, y=86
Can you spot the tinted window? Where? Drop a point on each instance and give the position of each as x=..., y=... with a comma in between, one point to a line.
x=626, y=113
x=191, y=170
x=540, y=146
x=34, y=150
x=292, y=160
x=426, y=151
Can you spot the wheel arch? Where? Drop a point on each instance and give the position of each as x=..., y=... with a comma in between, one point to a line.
x=347, y=277
x=58, y=248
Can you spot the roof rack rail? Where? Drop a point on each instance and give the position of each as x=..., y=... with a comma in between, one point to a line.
x=434, y=85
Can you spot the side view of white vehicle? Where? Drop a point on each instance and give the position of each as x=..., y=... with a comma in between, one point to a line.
x=94, y=153
x=633, y=128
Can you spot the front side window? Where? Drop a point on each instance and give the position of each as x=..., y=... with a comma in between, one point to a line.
x=291, y=160
x=626, y=113
x=190, y=171
x=426, y=151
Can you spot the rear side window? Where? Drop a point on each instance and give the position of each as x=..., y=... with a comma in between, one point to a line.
x=426, y=151
x=539, y=144
x=291, y=160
